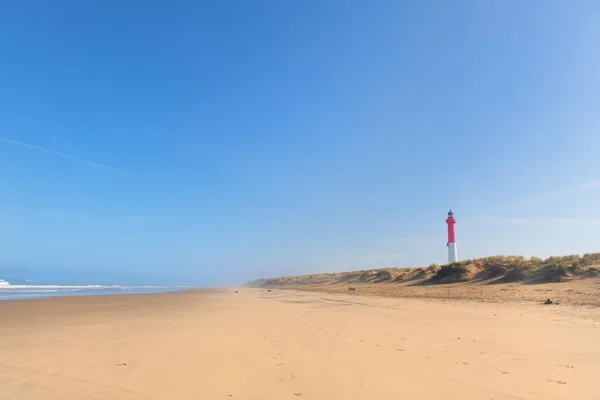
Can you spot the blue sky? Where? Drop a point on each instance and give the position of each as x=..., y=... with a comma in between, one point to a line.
x=214, y=142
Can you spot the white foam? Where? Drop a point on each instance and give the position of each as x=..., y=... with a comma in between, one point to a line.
x=4, y=285
x=10, y=290
x=31, y=287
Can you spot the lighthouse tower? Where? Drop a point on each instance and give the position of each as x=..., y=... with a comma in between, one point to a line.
x=452, y=253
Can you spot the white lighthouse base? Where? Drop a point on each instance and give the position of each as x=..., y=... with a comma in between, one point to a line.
x=452, y=253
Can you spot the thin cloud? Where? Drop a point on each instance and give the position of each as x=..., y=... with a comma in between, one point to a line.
x=553, y=221
x=59, y=154
x=569, y=191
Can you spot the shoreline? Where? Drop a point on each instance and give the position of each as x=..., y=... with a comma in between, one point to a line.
x=582, y=292
x=79, y=301
x=19, y=293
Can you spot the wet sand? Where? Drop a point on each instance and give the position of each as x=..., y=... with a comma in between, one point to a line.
x=286, y=344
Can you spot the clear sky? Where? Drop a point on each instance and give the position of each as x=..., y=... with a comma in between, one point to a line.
x=212, y=142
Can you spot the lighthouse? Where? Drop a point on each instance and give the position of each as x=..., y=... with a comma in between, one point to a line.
x=452, y=253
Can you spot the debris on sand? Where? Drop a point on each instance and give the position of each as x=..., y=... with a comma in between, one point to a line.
x=352, y=289
x=548, y=302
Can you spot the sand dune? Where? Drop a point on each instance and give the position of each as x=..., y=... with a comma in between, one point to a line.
x=257, y=344
x=491, y=270
x=573, y=280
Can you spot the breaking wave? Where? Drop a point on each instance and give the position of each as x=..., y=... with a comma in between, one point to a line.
x=8, y=290
x=4, y=285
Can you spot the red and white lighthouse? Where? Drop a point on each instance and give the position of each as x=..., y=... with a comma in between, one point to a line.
x=452, y=253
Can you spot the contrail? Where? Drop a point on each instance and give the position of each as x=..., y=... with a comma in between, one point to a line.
x=58, y=153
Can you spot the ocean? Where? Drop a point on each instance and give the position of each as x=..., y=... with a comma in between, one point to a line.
x=27, y=290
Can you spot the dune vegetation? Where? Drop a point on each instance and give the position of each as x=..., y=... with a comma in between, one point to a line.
x=491, y=270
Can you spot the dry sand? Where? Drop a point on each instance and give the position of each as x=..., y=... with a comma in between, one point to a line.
x=580, y=292
x=283, y=344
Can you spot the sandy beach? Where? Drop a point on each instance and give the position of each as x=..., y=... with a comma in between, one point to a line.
x=259, y=344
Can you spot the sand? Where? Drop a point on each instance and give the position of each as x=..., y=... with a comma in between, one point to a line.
x=580, y=292
x=285, y=344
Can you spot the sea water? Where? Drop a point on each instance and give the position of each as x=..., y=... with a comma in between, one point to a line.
x=10, y=291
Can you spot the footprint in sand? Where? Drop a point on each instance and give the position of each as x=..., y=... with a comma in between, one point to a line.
x=559, y=382
x=565, y=366
x=399, y=349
